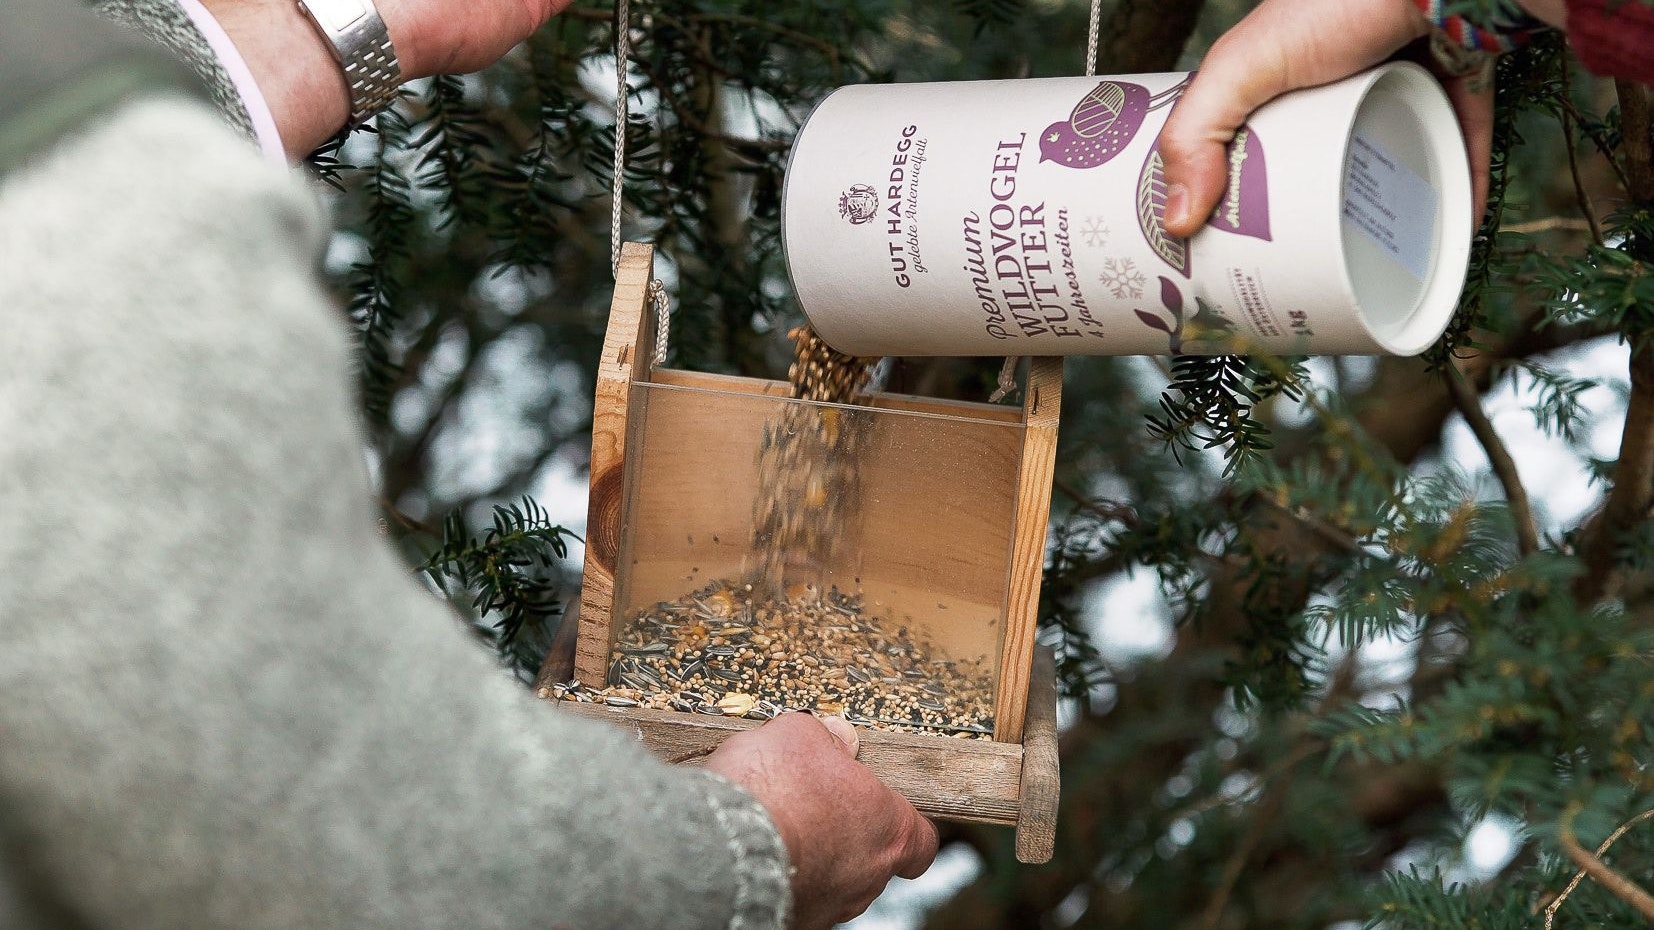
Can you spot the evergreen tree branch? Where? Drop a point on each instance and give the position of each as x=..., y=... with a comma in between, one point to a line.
x=1637, y=146
x=1601, y=872
x=407, y=460
x=1404, y=409
x=1337, y=537
x=1469, y=402
x=1582, y=197
x=1552, y=224
x=1212, y=402
x=1277, y=781
x=510, y=569
x=1266, y=814
x=1146, y=35
x=376, y=285
x=1633, y=491
x=403, y=520
x=1106, y=509
x=1095, y=569
x=1594, y=131
x=752, y=148
x=1268, y=810
x=826, y=49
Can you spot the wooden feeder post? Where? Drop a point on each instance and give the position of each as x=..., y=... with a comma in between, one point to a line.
x=1010, y=780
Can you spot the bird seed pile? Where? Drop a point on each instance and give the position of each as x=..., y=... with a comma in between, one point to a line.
x=726, y=651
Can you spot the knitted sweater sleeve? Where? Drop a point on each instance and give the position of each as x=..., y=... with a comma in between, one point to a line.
x=227, y=702
x=1614, y=37
x=167, y=24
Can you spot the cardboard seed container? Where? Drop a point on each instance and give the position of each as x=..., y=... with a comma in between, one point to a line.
x=1025, y=218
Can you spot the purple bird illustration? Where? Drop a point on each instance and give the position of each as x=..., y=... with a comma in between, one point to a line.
x=1102, y=124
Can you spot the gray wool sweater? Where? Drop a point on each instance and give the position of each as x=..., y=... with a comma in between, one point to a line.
x=224, y=701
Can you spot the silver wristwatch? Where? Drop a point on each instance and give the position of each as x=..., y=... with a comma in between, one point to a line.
x=363, y=47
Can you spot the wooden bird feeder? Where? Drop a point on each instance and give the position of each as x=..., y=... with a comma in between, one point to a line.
x=947, y=538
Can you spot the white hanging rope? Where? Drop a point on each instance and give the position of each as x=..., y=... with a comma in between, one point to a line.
x=1007, y=381
x=623, y=93
x=1091, y=37
x=657, y=298
x=663, y=318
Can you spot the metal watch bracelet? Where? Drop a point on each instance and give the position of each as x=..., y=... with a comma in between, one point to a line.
x=362, y=46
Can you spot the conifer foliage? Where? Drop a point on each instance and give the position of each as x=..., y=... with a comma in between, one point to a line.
x=1384, y=626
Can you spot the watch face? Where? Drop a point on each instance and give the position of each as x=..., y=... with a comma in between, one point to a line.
x=337, y=15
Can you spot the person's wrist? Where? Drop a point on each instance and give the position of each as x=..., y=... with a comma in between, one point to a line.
x=356, y=33
x=293, y=66
x=1498, y=26
x=296, y=69
x=413, y=52
x=754, y=784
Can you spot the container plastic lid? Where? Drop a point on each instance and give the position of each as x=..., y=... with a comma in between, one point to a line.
x=1407, y=209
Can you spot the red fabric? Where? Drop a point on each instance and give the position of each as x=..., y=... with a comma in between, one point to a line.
x=1614, y=38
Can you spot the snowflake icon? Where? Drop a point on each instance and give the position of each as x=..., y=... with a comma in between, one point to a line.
x=1121, y=277
x=1095, y=231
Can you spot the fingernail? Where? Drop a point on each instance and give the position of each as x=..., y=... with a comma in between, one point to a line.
x=1177, y=205
x=846, y=733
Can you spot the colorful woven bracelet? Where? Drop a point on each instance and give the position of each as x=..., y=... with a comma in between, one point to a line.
x=1497, y=26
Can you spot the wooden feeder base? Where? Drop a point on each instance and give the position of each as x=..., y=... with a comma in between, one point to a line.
x=1009, y=784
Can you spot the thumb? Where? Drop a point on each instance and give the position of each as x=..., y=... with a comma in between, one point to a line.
x=841, y=728
x=1281, y=46
x=919, y=850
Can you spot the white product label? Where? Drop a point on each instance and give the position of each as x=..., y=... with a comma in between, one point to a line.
x=1391, y=204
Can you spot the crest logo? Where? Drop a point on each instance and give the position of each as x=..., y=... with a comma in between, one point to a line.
x=859, y=204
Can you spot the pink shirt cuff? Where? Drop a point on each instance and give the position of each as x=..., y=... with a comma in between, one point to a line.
x=229, y=57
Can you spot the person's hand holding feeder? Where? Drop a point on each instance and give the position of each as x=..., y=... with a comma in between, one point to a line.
x=846, y=832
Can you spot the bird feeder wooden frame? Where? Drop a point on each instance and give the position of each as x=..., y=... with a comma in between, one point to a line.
x=1010, y=780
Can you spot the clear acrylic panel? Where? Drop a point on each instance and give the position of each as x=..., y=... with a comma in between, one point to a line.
x=778, y=553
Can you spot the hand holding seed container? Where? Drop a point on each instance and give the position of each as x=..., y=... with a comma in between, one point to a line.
x=1027, y=218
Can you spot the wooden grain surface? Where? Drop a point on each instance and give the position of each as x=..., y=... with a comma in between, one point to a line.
x=937, y=511
x=711, y=381
x=692, y=468
x=558, y=665
x=1042, y=407
x=912, y=403
x=977, y=781
x=963, y=780
x=627, y=347
x=1041, y=777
